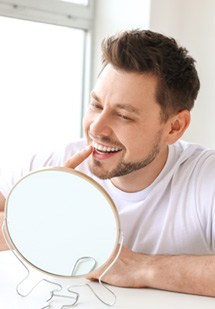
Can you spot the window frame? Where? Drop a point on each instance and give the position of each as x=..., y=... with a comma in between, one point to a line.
x=51, y=11
x=62, y=14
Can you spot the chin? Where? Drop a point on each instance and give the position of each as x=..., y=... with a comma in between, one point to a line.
x=97, y=170
x=100, y=174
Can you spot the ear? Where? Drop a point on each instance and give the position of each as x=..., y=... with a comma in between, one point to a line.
x=177, y=125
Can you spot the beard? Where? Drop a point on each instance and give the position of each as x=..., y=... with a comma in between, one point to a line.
x=123, y=168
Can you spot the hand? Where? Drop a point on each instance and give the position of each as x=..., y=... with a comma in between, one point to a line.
x=126, y=271
x=182, y=273
x=79, y=157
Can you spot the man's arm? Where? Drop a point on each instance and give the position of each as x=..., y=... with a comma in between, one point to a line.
x=185, y=274
x=2, y=202
x=3, y=245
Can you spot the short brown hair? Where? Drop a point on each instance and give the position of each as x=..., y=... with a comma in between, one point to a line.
x=144, y=51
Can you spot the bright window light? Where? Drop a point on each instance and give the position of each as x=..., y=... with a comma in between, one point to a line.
x=82, y=2
x=41, y=73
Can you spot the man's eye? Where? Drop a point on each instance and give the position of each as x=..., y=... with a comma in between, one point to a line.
x=95, y=106
x=124, y=117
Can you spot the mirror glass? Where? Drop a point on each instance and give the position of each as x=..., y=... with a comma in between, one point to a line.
x=62, y=222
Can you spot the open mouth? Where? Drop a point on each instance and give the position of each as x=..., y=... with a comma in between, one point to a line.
x=104, y=149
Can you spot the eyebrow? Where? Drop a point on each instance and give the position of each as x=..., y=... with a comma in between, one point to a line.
x=127, y=107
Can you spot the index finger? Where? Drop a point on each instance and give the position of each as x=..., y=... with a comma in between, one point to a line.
x=79, y=157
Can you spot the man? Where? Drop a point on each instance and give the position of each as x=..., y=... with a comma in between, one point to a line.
x=162, y=187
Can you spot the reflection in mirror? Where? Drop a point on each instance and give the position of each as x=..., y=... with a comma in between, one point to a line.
x=62, y=222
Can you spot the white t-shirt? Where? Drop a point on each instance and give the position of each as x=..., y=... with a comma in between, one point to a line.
x=174, y=215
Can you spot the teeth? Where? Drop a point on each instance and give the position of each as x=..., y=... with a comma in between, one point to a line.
x=104, y=148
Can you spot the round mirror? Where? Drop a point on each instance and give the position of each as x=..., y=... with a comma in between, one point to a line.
x=62, y=222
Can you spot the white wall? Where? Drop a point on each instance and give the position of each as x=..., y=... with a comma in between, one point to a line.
x=112, y=16
x=192, y=24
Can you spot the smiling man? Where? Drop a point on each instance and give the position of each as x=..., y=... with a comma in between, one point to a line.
x=124, y=125
x=162, y=187
x=125, y=130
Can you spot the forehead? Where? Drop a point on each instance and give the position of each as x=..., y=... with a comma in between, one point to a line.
x=121, y=87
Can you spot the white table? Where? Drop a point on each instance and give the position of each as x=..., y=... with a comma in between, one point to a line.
x=12, y=272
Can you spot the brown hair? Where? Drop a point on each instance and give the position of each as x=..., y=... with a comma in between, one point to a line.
x=144, y=51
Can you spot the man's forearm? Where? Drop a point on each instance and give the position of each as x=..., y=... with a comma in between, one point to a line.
x=186, y=274
x=3, y=245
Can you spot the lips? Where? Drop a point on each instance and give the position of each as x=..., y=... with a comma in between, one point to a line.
x=105, y=149
x=102, y=152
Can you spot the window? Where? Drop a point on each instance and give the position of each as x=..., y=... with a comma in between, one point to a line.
x=83, y=2
x=42, y=80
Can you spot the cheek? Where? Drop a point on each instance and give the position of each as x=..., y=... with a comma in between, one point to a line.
x=129, y=138
x=137, y=142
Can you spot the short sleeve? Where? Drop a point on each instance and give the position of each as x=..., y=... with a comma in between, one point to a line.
x=205, y=196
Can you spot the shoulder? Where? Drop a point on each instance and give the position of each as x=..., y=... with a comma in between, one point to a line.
x=194, y=170
x=72, y=148
x=193, y=155
x=56, y=157
x=39, y=161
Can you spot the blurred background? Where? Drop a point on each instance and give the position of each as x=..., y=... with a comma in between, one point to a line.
x=50, y=57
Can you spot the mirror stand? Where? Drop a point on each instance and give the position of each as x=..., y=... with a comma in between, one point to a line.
x=56, y=292
x=100, y=279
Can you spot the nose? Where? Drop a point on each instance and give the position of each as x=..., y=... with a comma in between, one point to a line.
x=101, y=125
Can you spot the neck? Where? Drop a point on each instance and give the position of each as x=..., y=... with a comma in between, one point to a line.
x=142, y=178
